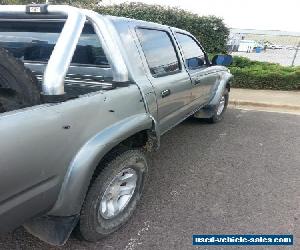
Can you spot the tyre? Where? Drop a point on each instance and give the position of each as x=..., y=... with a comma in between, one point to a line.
x=18, y=86
x=113, y=196
x=220, y=109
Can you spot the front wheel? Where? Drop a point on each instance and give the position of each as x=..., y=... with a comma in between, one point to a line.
x=113, y=196
x=220, y=109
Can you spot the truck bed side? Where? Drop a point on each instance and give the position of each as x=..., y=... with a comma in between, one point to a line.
x=39, y=143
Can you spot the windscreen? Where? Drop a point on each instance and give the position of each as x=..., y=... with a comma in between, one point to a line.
x=34, y=41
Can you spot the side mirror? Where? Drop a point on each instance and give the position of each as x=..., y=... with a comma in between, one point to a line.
x=224, y=60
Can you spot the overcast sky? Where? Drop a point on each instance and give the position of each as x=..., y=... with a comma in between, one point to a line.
x=248, y=14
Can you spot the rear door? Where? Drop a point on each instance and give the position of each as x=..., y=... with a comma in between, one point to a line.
x=164, y=68
x=203, y=76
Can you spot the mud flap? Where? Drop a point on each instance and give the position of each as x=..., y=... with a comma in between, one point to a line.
x=52, y=229
x=206, y=112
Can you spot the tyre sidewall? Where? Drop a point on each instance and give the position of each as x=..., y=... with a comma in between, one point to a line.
x=217, y=118
x=17, y=78
x=92, y=225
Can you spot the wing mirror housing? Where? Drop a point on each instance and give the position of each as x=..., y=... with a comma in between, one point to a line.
x=224, y=60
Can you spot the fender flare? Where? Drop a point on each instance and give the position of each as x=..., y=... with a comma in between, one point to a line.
x=208, y=110
x=226, y=77
x=80, y=171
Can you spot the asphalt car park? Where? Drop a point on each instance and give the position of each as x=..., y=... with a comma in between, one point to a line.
x=240, y=176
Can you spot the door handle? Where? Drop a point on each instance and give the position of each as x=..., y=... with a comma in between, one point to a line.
x=165, y=93
x=197, y=81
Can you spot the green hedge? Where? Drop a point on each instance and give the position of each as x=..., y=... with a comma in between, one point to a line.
x=262, y=75
x=210, y=30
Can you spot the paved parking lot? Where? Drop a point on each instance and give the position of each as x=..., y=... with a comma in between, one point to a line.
x=281, y=56
x=241, y=176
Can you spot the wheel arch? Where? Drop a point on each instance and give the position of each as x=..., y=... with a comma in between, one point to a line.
x=225, y=82
x=208, y=110
x=81, y=169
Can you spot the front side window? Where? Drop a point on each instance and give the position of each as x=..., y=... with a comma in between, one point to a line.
x=193, y=54
x=35, y=41
x=159, y=51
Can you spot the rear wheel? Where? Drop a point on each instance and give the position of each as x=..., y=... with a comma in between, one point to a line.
x=18, y=86
x=113, y=196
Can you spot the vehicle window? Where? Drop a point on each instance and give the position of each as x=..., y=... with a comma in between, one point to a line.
x=34, y=42
x=193, y=54
x=159, y=51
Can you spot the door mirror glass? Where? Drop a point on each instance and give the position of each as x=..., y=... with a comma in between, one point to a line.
x=224, y=60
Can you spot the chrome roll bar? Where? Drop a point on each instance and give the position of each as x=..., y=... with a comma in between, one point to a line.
x=61, y=57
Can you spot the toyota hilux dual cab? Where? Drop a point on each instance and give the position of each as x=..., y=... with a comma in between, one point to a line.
x=83, y=98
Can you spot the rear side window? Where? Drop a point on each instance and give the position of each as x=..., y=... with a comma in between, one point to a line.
x=193, y=54
x=159, y=51
x=35, y=41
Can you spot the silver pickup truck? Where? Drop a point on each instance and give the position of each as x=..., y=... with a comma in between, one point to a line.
x=83, y=99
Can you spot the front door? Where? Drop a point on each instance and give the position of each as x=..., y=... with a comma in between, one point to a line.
x=202, y=74
x=169, y=78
